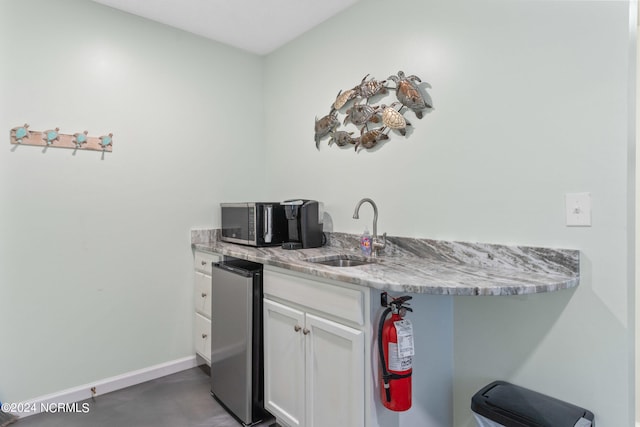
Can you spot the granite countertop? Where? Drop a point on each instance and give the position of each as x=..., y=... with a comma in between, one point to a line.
x=421, y=265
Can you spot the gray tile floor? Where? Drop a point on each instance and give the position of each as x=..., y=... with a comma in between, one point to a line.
x=178, y=400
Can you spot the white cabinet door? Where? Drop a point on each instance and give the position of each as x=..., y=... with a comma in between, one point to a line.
x=335, y=374
x=284, y=363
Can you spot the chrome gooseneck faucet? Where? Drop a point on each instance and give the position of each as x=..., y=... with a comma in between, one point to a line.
x=376, y=245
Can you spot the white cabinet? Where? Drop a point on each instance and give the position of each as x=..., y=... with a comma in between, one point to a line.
x=314, y=351
x=202, y=298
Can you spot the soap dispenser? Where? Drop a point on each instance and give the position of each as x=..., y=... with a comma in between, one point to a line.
x=365, y=243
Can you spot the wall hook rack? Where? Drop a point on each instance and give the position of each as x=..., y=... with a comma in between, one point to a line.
x=21, y=135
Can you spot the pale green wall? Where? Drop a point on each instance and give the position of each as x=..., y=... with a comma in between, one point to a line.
x=95, y=260
x=531, y=102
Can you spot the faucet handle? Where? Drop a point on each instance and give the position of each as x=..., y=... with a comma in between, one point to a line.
x=377, y=245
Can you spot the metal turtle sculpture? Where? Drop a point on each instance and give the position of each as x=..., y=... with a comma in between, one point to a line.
x=343, y=97
x=21, y=132
x=409, y=94
x=324, y=126
x=359, y=114
x=80, y=138
x=369, y=88
x=393, y=119
x=371, y=138
x=342, y=138
x=50, y=136
x=363, y=112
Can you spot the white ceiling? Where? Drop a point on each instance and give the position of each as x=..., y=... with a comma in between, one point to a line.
x=258, y=26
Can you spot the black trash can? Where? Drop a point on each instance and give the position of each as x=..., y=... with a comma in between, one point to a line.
x=503, y=404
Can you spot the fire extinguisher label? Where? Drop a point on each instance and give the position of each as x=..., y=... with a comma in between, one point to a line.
x=397, y=363
x=404, y=331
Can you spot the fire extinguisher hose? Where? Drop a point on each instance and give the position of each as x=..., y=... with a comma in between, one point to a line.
x=386, y=375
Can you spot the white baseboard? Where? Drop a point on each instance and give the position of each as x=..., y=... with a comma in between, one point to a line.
x=76, y=394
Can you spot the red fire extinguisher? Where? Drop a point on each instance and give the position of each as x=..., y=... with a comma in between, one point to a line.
x=395, y=347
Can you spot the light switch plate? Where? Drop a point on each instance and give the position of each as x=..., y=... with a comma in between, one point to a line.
x=578, y=209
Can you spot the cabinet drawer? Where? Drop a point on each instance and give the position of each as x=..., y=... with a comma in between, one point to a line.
x=202, y=294
x=203, y=260
x=203, y=337
x=337, y=301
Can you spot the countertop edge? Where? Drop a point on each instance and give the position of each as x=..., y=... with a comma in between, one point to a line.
x=423, y=275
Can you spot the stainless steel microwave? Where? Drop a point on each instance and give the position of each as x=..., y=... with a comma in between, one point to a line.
x=254, y=223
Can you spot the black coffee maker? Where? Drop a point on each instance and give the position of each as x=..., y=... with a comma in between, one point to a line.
x=305, y=224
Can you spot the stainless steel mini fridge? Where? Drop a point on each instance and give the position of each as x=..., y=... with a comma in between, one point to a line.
x=237, y=369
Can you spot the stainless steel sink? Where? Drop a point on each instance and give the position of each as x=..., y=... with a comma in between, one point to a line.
x=342, y=260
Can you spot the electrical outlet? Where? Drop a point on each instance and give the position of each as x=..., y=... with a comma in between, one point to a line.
x=578, y=209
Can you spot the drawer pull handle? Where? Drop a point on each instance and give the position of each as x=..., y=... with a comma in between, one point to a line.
x=306, y=331
x=203, y=295
x=203, y=262
x=297, y=328
x=204, y=336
